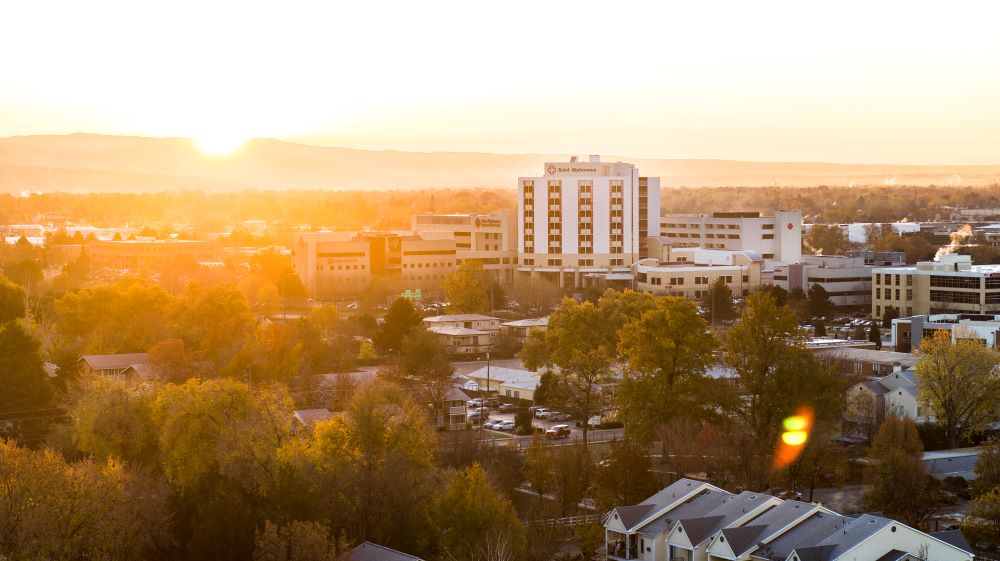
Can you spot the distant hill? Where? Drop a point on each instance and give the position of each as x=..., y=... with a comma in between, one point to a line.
x=90, y=162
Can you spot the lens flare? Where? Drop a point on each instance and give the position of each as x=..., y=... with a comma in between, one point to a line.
x=794, y=436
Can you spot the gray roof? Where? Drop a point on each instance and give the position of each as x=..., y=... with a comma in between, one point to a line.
x=696, y=506
x=456, y=394
x=816, y=553
x=897, y=555
x=101, y=362
x=699, y=529
x=869, y=355
x=369, y=551
x=857, y=531
x=742, y=538
x=725, y=514
x=953, y=537
x=769, y=523
x=804, y=534
x=458, y=317
x=632, y=515
x=896, y=379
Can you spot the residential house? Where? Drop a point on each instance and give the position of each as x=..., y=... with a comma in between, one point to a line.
x=464, y=334
x=306, y=419
x=451, y=414
x=696, y=521
x=514, y=383
x=519, y=329
x=111, y=365
x=369, y=551
x=873, y=400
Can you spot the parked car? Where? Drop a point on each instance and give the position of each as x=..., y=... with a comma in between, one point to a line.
x=492, y=402
x=540, y=412
x=507, y=407
x=493, y=424
x=475, y=416
x=595, y=421
x=559, y=416
x=557, y=431
x=475, y=403
x=506, y=425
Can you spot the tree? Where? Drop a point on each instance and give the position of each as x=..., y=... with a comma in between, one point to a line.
x=820, y=458
x=862, y=410
x=297, y=541
x=572, y=469
x=214, y=322
x=897, y=483
x=819, y=328
x=874, y=335
x=576, y=342
x=982, y=523
x=890, y=313
x=467, y=290
x=548, y=392
x=472, y=520
x=11, y=301
x=718, y=301
x=25, y=385
x=538, y=468
x=111, y=420
x=776, y=373
x=825, y=239
x=52, y=510
x=820, y=305
x=959, y=382
x=125, y=317
x=423, y=367
x=174, y=363
x=534, y=353
x=859, y=333
x=398, y=321
x=667, y=351
x=624, y=477
x=987, y=469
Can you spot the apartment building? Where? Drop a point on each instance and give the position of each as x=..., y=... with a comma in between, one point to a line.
x=776, y=238
x=335, y=265
x=697, y=521
x=464, y=334
x=951, y=285
x=848, y=280
x=147, y=254
x=690, y=272
x=490, y=239
x=581, y=220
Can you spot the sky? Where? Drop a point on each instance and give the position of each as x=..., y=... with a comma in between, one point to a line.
x=862, y=82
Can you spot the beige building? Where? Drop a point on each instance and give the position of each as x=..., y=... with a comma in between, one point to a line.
x=464, y=334
x=335, y=265
x=584, y=219
x=146, y=254
x=949, y=286
x=689, y=272
x=490, y=239
x=774, y=238
x=520, y=328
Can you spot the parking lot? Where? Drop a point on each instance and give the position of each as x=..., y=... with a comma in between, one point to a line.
x=544, y=424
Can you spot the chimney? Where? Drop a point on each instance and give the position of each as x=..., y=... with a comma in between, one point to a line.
x=595, y=158
x=573, y=159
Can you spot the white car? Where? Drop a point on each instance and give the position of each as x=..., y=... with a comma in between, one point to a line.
x=506, y=425
x=541, y=412
x=493, y=424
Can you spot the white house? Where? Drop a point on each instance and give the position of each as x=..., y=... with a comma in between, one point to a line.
x=875, y=399
x=696, y=521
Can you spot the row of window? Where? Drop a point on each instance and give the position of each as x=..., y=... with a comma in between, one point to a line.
x=838, y=279
x=954, y=297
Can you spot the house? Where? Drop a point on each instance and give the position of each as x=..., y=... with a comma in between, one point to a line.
x=514, y=383
x=306, y=419
x=871, y=401
x=111, y=365
x=369, y=551
x=463, y=340
x=468, y=321
x=519, y=329
x=696, y=521
x=451, y=414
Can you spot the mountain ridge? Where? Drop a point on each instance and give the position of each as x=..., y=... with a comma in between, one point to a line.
x=97, y=162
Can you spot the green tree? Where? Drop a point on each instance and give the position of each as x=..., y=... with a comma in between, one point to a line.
x=398, y=321
x=11, y=301
x=423, y=367
x=467, y=289
x=573, y=469
x=22, y=375
x=624, y=477
x=124, y=317
x=959, y=382
x=667, y=351
x=987, y=469
x=718, y=301
x=874, y=335
x=538, y=468
x=473, y=521
x=825, y=239
x=547, y=392
x=859, y=333
x=890, y=313
x=534, y=353
x=111, y=420
x=819, y=328
x=982, y=523
x=820, y=305
x=214, y=322
x=897, y=483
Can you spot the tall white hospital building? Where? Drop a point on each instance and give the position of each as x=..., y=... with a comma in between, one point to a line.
x=585, y=219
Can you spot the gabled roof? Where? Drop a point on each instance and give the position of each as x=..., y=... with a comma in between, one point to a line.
x=456, y=394
x=743, y=538
x=771, y=522
x=310, y=417
x=531, y=322
x=953, y=537
x=102, y=362
x=815, y=553
x=804, y=534
x=897, y=555
x=632, y=515
x=733, y=509
x=696, y=506
x=857, y=531
x=666, y=499
x=699, y=529
x=369, y=551
x=896, y=379
x=455, y=331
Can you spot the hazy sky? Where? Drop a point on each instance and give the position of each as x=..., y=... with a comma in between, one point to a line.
x=871, y=81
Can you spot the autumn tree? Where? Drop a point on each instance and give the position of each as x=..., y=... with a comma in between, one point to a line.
x=897, y=483
x=11, y=301
x=987, y=469
x=776, y=373
x=215, y=322
x=467, y=289
x=422, y=367
x=538, y=468
x=624, y=477
x=667, y=351
x=821, y=457
x=298, y=541
x=982, y=520
x=573, y=469
x=173, y=362
x=112, y=419
x=125, y=317
x=476, y=523
x=825, y=239
x=959, y=382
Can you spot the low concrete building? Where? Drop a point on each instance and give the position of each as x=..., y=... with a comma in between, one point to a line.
x=690, y=272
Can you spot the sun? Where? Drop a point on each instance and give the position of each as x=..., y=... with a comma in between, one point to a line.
x=219, y=144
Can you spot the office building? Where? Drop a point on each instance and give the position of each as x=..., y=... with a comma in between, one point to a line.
x=847, y=280
x=490, y=239
x=690, y=272
x=908, y=333
x=776, y=238
x=334, y=265
x=584, y=219
x=952, y=285
x=147, y=254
